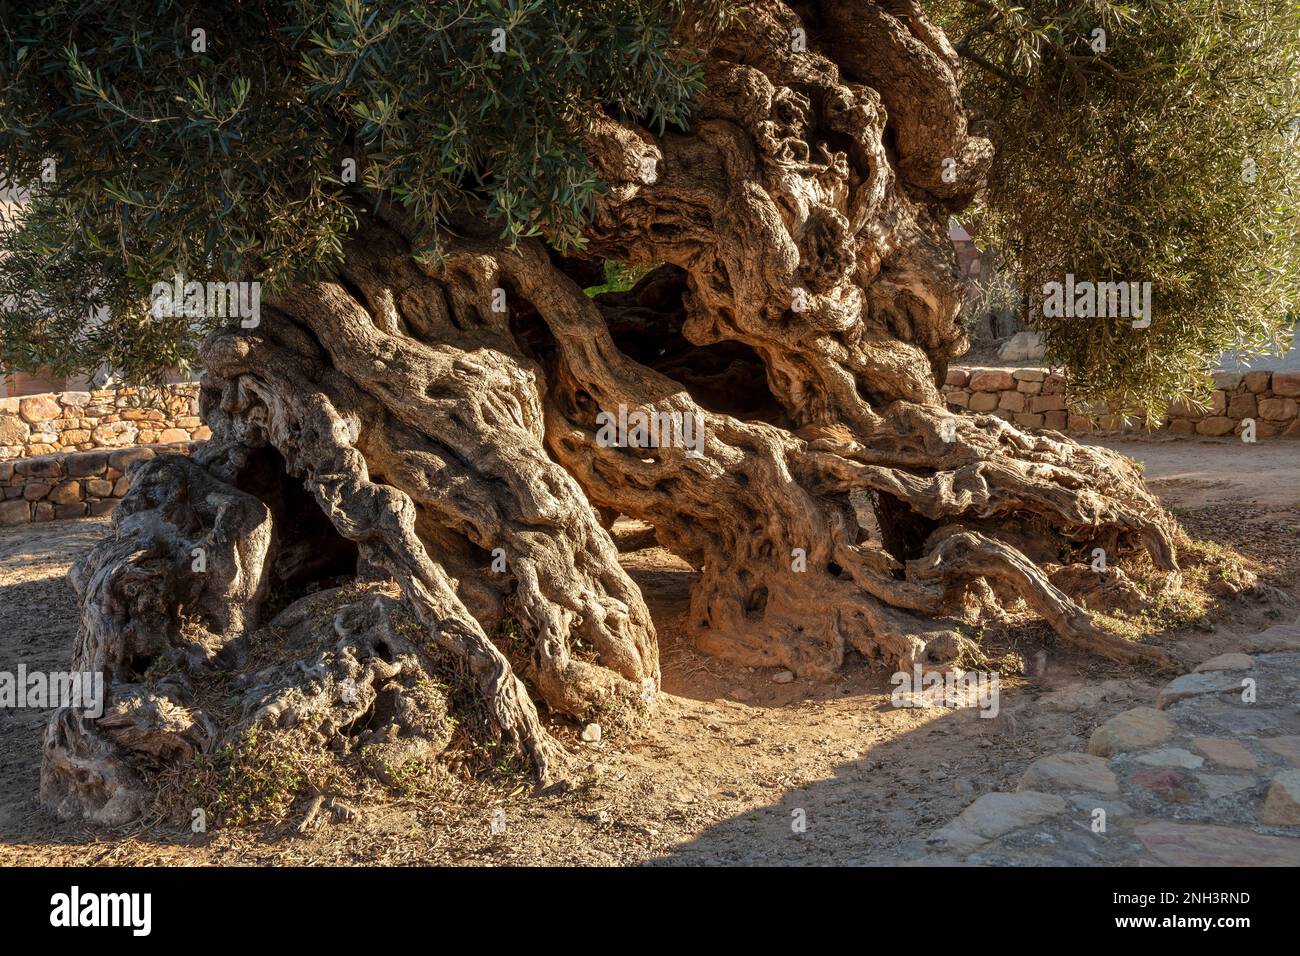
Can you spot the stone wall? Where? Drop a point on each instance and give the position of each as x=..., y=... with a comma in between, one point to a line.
x=53, y=423
x=72, y=485
x=1037, y=398
x=1029, y=397
x=1271, y=399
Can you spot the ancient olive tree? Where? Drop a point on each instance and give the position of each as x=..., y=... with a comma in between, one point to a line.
x=398, y=532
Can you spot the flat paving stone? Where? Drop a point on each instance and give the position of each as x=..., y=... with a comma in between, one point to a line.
x=1196, y=844
x=1227, y=662
x=1171, y=757
x=1195, y=685
x=1280, y=637
x=1227, y=717
x=995, y=814
x=1069, y=772
x=1287, y=747
x=1225, y=784
x=1139, y=729
x=1225, y=753
x=1282, y=805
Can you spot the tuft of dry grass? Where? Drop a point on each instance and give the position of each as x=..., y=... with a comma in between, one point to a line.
x=1210, y=573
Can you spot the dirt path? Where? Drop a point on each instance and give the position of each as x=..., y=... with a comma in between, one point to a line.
x=730, y=761
x=1194, y=474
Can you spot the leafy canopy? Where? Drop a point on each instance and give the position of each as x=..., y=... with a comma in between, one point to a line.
x=1169, y=156
x=221, y=154
x=1164, y=150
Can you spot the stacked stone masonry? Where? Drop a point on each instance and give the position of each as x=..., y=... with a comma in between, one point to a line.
x=1037, y=398
x=38, y=425
x=70, y=486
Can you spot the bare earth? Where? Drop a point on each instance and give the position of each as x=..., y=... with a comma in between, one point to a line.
x=729, y=759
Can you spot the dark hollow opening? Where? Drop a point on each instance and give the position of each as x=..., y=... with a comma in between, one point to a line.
x=646, y=322
x=902, y=531
x=307, y=549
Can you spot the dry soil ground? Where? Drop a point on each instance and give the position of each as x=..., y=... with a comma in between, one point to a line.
x=730, y=760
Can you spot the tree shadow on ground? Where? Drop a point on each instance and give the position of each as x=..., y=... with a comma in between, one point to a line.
x=873, y=808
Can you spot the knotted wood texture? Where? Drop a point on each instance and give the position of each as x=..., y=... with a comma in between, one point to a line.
x=392, y=423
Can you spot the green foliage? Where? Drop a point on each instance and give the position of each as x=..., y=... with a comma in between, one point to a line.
x=227, y=162
x=1171, y=157
x=620, y=277
x=996, y=291
x=256, y=777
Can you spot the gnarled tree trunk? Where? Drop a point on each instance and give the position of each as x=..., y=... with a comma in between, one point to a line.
x=393, y=424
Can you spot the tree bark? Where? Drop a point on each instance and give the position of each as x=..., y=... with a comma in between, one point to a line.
x=393, y=424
